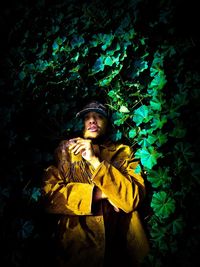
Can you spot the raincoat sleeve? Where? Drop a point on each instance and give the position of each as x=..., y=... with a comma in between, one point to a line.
x=118, y=180
x=61, y=196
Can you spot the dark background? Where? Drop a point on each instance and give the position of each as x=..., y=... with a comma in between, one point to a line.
x=18, y=215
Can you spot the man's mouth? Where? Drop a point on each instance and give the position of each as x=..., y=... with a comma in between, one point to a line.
x=93, y=128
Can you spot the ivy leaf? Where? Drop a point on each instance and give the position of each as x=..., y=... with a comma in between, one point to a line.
x=155, y=104
x=178, y=132
x=148, y=156
x=158, y=122
x=77, y=41
x=124, y=109
x=22, y=75
x=162, y=204
x=147, y=141
x=196, y=171
x=177, y=226
x=55, y=46
x=158, y=81
x=117, y=136
x=36, y=193
x=161, y=138
x=105, y=82
x=114, y=95
x=138, y=169
x=159, y=177
x=26, y=229
x=178, y=163
x=180, y=99
x=158, y=233
x=136, y=68
x=156, y=64
x=98, y=66
x=108, y=61
x=173, y=114
x=185, y=150
x=132, y=133
x=118, y=118
x=74, y=76
x=75, y=57
x=104, y=39
x=141, y=115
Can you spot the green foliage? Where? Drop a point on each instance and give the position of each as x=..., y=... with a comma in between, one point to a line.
x=162, y=204
x=65, y=54
x=159, y=178
x=148, y=156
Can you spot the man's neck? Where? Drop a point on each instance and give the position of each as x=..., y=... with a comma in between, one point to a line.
x=99, y=140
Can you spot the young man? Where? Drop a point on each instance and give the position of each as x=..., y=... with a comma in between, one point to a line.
x=95, y=190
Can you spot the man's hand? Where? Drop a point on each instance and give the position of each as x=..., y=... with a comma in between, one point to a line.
x=84, y=146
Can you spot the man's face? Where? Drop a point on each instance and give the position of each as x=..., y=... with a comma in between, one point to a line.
x=94, y=125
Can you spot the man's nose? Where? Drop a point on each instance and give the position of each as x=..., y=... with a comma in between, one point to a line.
x=92, y=120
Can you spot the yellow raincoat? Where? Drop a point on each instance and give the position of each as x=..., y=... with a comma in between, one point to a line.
x=94, y=234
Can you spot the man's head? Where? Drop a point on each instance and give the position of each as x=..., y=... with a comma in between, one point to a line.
x=95, y=118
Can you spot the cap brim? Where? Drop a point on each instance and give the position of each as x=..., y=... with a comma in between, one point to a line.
x=84, y=111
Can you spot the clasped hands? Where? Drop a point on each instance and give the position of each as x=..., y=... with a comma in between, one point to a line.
x=85, y=147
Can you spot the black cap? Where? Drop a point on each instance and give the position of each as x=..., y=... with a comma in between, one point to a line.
x=94, y=106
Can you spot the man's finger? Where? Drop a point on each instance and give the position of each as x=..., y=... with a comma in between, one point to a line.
x=78, y=148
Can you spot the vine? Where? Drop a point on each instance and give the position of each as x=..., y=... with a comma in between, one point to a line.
x=69, y=53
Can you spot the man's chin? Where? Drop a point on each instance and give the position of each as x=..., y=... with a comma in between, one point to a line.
x=91, y=136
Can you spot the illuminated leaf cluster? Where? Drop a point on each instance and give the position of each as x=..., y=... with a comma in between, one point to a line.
x=69, y=54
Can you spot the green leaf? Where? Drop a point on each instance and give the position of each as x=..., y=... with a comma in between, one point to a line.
x=117, y=136
x=148, y=156
x=155, y=104
x=22, y=75
x=158, y=122
x=75, y=58
x=132, y=133
x=105, y=82
x=156, y=64
x=162, y=204
x=180, y=99
x=159, y=177
x=158, y=233
x=108, y=61
x=77, y=41
x=196, y=171
x=26, y=230
x=124, y=109
x=161, y=138
x=137, y=67
x=36, y=193
x=178, y=132
x=185, y=150
x=118, y=118
x=158, y=81
x=98, y=66
x=177, y=226
x=146, y=141
x=151, y=139
x=104, y=39
x=55, y=46
x=141, y=115
x=138, y=169
x=114, y=95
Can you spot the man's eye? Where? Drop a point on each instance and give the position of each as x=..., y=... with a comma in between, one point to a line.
x=99, y=116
